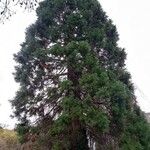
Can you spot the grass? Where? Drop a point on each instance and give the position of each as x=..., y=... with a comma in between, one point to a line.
x=8, y=139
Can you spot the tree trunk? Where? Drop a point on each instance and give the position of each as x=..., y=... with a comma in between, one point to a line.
x=78, y=136
x=78, y=140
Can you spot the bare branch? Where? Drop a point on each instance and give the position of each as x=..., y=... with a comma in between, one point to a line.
x=7, y=7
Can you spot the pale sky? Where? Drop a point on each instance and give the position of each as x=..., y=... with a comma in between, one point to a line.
x=132, y=18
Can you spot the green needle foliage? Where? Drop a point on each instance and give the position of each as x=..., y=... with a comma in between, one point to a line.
x=75, y=92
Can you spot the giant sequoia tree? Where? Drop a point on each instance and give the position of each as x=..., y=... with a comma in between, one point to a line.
x=74, y=88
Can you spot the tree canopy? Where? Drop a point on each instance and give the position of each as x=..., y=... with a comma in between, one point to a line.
x=75, y=91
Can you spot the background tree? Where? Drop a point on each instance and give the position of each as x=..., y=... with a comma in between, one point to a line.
x=74, y=88
x=7, y=7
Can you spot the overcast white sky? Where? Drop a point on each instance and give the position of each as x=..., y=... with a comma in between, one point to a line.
x=132, y=18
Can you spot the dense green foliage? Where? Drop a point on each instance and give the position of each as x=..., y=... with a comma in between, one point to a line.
x=74, y=88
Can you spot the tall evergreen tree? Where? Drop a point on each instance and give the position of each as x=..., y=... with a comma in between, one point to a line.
x=74, y=88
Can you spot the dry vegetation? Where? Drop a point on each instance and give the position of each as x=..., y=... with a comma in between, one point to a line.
x=8, y=140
